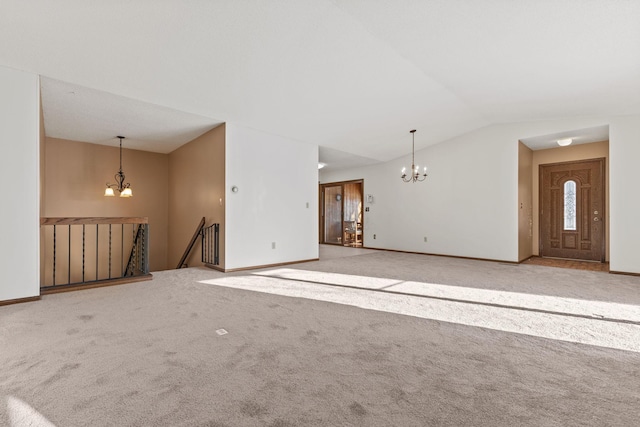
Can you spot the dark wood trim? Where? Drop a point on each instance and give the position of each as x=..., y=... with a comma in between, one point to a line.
x=98, y=284
x=604, y=160
x=94, y=220
x=321, y=187
x=19, y=300
x=352, y=181
x=320, y=213
x=488, y=259
x=443, y=255
x=256, y=267
x=624, y=273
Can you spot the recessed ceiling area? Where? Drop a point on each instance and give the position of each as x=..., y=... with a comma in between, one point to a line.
x=348, y=75
x=78, y=113
x=578, y=136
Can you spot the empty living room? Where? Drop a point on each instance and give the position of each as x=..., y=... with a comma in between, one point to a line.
x=320, y=213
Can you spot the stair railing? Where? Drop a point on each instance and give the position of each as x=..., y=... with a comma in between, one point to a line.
x=85, y=251
x=211, y=245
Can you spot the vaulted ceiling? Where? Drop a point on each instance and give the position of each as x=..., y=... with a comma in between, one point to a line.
x=353, y=76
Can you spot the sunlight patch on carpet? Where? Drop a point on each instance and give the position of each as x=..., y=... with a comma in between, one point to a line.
x=582, y=307
x=314, y=285
x=22, y=415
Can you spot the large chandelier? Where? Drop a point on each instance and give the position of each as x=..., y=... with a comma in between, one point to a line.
x=415, y=175
x=120, y=187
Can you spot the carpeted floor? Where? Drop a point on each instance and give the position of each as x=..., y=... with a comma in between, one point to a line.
x=156, y=353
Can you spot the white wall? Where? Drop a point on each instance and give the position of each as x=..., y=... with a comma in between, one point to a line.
x=19, y=174
x=455, y=208
x=469, y=204
x=624, y=193
x=277, y=199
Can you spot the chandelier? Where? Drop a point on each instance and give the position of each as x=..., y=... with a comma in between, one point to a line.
x=120, y=187
x=415, y=175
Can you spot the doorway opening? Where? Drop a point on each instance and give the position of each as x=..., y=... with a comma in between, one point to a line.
x=341, y=218
x=572, y=210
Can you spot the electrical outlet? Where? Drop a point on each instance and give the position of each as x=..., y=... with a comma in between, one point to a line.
x=273, y=245
x=425, y=239
x=374, y=236
x=307, y=205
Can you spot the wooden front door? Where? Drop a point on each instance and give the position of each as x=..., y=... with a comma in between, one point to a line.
x=572, y=210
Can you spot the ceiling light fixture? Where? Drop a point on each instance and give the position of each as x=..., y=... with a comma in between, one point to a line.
x=121, y=187
x=564, y=142
x=415, y=172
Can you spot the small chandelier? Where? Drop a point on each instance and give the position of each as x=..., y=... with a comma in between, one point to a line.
x=415, y=172
x=120, y=187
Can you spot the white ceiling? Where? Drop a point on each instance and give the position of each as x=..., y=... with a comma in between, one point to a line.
x=82, y=114
x=352, y=76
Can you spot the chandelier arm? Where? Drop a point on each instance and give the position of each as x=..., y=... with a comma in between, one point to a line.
x=119, y=178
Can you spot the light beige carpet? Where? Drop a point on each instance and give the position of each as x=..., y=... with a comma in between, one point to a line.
x=149, y=354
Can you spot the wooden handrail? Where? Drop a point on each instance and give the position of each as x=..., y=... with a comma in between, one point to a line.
x=94, y=220
x=191, y=243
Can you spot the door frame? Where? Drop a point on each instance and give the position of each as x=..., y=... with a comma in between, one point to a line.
x=603, y=170
x=321, y=188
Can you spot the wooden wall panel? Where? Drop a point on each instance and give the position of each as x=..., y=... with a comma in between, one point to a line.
x=332, y=214
x=353, y=202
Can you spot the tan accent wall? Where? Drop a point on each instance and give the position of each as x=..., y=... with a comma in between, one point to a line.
x=567, y=154
x=525, y=202
x=75, y=178
x=196, y=190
